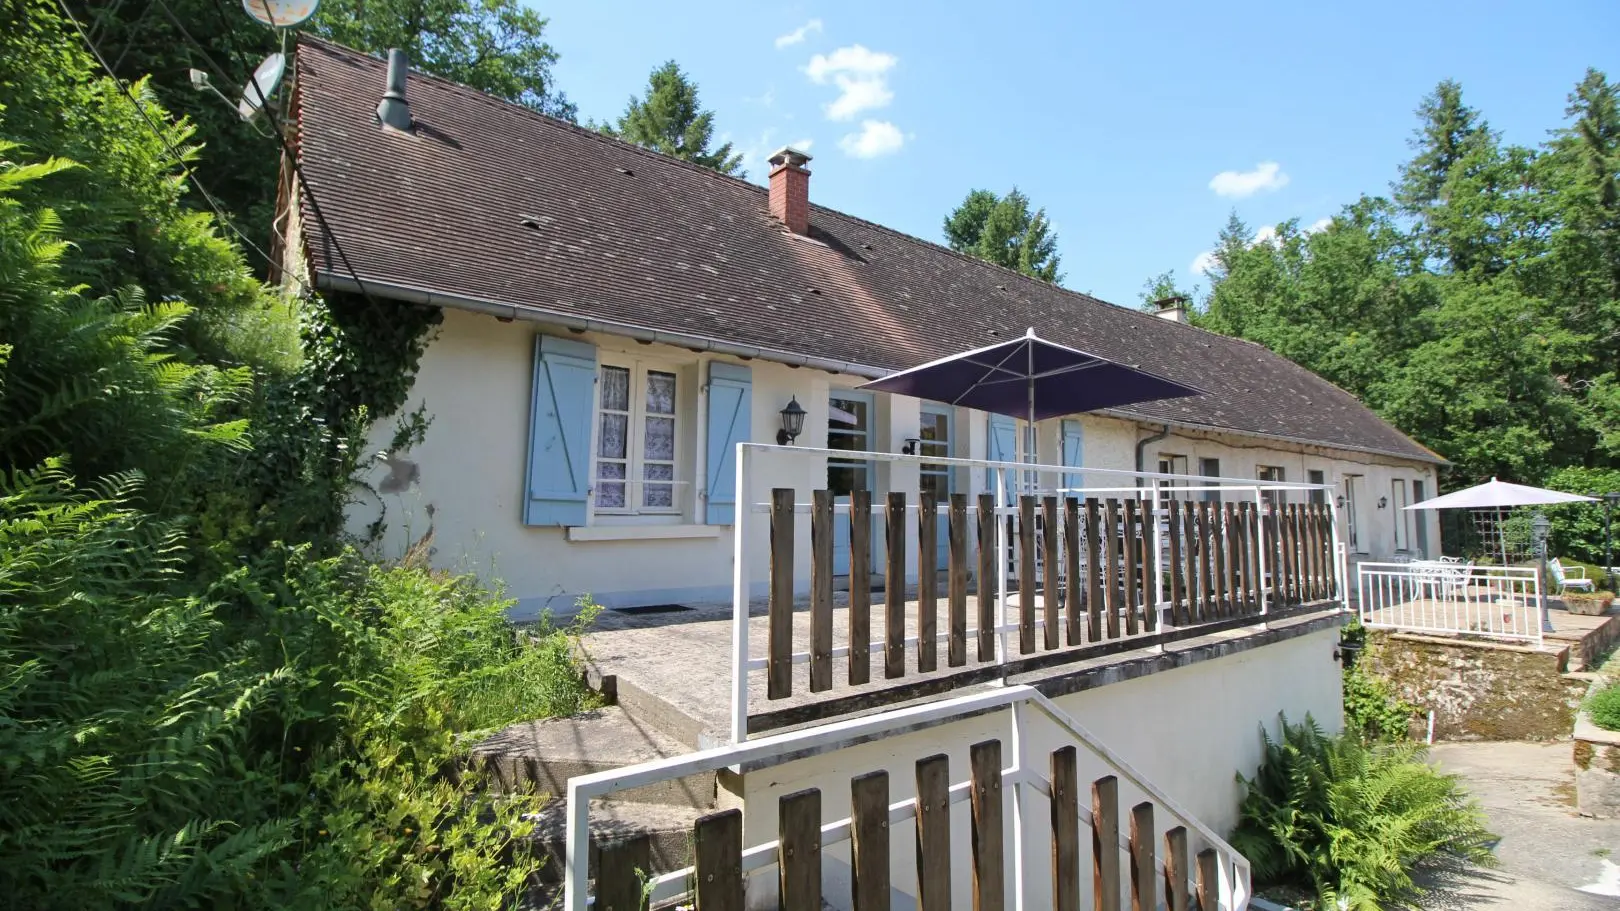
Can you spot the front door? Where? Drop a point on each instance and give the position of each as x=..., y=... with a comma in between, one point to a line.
x=849, y=428
x=936, y=440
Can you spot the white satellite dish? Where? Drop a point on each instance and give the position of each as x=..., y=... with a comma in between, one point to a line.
x=280, y=13
x=262, y=87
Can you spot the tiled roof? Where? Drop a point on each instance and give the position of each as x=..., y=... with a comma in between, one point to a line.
x=489, y=200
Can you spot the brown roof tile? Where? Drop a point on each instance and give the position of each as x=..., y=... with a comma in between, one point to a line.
x=489, y=200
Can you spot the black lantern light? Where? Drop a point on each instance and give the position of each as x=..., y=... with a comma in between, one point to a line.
x=1382, y=502
x=792, y=423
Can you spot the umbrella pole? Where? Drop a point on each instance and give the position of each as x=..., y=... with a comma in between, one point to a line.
x=1030, y=387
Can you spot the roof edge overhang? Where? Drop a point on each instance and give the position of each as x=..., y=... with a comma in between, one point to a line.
x=418, y=295
x=414, y=294
x=1429, y=458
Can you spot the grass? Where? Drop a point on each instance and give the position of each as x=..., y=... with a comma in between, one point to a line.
x=1603, y=707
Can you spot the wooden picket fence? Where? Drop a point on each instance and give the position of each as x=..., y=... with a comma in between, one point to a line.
x=717, y=879
x=1087, y=572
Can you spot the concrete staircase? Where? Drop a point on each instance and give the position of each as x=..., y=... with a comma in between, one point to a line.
x=538, y=757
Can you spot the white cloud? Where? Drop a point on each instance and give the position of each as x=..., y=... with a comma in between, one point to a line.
x=1267, y=176
x=798, y=35
x=1266, y=235
x=1203, y=262
x=858, y=95
x=860, y=75
x=802, y=145
x=855, y=60
x=1321, y=224
x=876, y=138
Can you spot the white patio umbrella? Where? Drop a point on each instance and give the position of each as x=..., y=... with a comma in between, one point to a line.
x=1500, y=495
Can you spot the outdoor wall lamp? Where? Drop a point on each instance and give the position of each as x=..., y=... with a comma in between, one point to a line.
x=1382, y=502
x=911, y=446
x=1341, y=501
x=792, y=423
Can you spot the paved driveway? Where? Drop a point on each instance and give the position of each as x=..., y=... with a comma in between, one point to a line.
x=1550, y=858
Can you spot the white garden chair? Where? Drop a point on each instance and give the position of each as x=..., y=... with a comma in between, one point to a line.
x=1571, y=579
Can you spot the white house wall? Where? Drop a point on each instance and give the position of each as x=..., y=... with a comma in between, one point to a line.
x=475, y=380
x=1187, y=731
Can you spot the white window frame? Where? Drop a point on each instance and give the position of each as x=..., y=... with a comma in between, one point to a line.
x=1398, y=493
x=1168, y=462
x=1206, y=469
x=635, y=445
x=1352, y=512
x=1272, y=474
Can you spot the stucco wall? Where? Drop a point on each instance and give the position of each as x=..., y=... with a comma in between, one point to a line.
x=1187, y=731
x=475, y=381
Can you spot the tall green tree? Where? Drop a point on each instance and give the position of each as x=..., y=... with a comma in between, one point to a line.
x=1447, y=130
x=1161, y=287
x=669, y=119
x=1477, y=310
x=1005, y=231
x=495, y=46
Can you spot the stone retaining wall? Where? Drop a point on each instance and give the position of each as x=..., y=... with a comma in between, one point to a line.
x=1597, y=769
x=1478, y=690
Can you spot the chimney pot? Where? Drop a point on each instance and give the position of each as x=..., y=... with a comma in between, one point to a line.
x=790, y=189
x=394, y=110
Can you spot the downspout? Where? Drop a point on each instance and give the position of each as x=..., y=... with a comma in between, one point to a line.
x=1141, y=451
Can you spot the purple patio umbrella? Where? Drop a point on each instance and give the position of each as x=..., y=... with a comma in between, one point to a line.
x=1031, y=378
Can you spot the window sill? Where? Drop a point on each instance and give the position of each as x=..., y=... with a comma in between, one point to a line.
x=640, y=532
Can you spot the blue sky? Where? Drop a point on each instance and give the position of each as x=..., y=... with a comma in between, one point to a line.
x=1137, y=126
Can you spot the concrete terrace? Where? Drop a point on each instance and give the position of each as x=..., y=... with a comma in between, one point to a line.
x=674, y=665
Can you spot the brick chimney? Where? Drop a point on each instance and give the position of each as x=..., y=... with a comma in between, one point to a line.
x=790, y=189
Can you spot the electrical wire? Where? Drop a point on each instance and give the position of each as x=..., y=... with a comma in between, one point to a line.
x=174, y=153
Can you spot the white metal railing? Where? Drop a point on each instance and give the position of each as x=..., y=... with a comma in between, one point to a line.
x=1434, y=596
x=1006, y=480
x=1025, y=707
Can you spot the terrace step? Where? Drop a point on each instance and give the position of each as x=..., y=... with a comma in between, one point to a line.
x=668, y=828
x=540, y=756
x=650, y=710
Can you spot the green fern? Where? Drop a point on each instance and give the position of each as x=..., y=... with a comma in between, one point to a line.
x=1351, y=820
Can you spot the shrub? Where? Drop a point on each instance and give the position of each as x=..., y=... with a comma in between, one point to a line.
x=1351, y=821
x=1371, y=708
x=1603, y=707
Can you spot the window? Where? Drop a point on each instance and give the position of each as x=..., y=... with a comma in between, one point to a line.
x=1352, y=511
x=1170, y=464
x=1210, y=468
x=1318, y=496
x=1403, y=537
x=1275, y=475
x=636, y=440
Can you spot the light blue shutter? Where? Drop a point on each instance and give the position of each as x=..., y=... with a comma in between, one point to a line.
x=1072, y=453
x=1003, y=443
x=731, y=402
x=559, y=482
x=1001, y=446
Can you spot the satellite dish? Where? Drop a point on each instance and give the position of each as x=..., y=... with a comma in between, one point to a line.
x=262, y=87
x=280, y=13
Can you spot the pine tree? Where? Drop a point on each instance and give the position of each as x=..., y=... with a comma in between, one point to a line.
x=1447, y=131
x=1004, y=231
x=670, y=120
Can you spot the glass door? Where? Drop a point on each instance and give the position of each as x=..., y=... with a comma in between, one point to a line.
x=935, y=439
x=849, y=428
